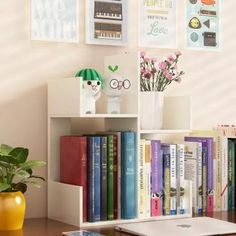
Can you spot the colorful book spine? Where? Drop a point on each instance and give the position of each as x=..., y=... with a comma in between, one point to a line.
x=191, y=170
x=166, y=176
x=230, y=174
x=141, y=181
x=103, y=178
x=233, y=174
x=118, y=174
x=156, y=177
x=94, y=194
x=110, y=177
x=148, y=177
x=199, y=179
x=128, y=175
x=180, y=177
x=224, y=174
x=115, y=175
x=73, y=164
x=173, y=180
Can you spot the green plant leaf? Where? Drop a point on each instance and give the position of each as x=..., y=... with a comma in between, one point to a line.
x=22, y=174
x=20, y=154
x=8, y=159
x=4, y=187
x=5, y=149
x=110, y=68
x=32, y=164
x=22, y=187
x=116, y=68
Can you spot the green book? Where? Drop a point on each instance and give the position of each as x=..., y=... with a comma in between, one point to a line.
x=230, y=173
x=110, y=177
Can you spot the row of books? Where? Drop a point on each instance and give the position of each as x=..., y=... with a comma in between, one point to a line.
x=162, y=171
x=105, y=166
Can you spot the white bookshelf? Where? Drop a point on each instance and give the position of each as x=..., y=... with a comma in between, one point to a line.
x=65, y=118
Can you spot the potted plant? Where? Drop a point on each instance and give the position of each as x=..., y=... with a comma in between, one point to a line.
x=16, y=172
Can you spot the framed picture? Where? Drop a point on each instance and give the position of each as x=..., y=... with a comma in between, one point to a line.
x=55, y=20
x=107, y=22
x=202, y=24
x=158, y=23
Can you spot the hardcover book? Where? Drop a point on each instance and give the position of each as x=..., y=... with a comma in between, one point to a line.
x=156, y=178
x=73, y=164
x=128, y=175
x=94, y=184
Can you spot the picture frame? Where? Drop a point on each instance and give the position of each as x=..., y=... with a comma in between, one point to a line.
x=56, y=21
x=202, y=25
x=158, y=23
x=107, y=22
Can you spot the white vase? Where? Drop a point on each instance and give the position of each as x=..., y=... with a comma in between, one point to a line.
x=151, y=108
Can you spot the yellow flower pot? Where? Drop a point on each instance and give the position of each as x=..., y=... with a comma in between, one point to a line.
x=12, y=211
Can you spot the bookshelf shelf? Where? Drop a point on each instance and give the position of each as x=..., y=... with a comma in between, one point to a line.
x=65, y=118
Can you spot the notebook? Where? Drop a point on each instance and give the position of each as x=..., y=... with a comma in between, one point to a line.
x=179, y=227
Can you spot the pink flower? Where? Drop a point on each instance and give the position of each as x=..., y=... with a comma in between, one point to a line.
x=142, y=54
x=162, y=65
x=178, y=53
x=170, y=58
x=154, y=59
x=167, y=74
x=146, y=59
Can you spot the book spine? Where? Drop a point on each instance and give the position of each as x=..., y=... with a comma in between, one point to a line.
x=103, y=178
x=233, y=175
x=210, y=189
x=215, y=173
x=115, y=176
x=190, y=171
x=173, y=181
x=155, y=199
x=110, y=178
x=219, y=173
x=180, y=152
x=166, y=158
x=141, y=181
x=199, y=180
x=230, y=177
x=91, y=176
x=119, y=174
x=204, y=178
x=128, y=176
x=148, y=177
x=224, y=174
x=73, y=164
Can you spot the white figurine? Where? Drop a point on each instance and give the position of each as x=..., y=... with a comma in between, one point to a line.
x=114, y=88
x=91, y=90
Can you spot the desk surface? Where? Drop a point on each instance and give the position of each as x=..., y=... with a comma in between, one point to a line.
x=47, y=227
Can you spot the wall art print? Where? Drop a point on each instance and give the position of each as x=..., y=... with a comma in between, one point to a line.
x=202, y=24
x=158, y=23
x=107, y=22
x=55, y=20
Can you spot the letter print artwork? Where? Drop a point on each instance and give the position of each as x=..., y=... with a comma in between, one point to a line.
x=158, y=23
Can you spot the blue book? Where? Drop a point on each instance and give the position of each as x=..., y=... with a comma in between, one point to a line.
x=94, y=184
x=128, y=175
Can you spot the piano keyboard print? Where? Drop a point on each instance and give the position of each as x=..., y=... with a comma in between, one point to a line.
x=108, y=10
x=107, y=31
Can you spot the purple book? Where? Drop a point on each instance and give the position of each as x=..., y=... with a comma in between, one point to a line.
x=156, y=178
x=207, y=172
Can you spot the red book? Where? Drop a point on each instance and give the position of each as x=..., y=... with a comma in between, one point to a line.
x=73, y=164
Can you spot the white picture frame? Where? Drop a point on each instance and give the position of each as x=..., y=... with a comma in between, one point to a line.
x=55, y=20
x=158, y=23
x=108, y=26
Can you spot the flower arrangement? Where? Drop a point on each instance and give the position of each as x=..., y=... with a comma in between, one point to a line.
x=156, y=76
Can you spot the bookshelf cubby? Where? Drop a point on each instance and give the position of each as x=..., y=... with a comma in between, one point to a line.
x=65, y=118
